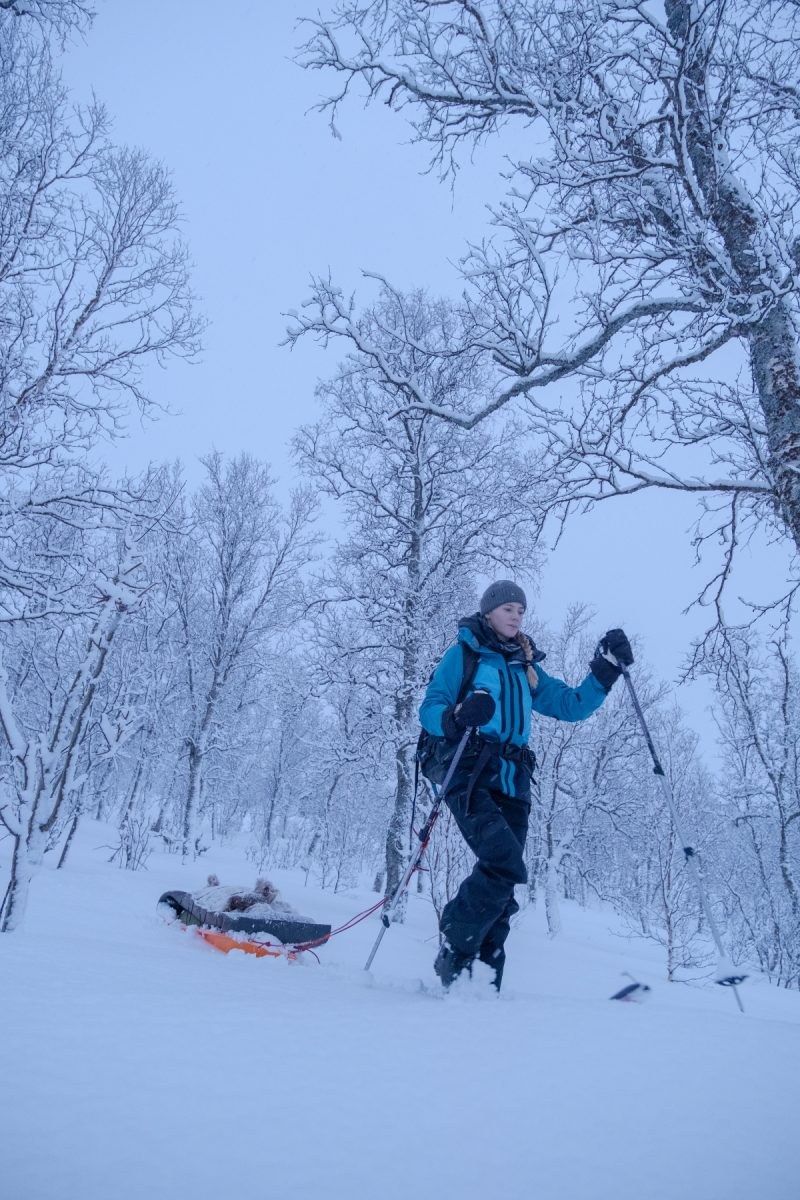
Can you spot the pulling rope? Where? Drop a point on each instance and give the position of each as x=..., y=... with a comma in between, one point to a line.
x=291, y=950
x=362, y=916
x=424, y=835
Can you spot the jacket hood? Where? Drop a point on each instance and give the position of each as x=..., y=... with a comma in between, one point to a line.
x=477, y=628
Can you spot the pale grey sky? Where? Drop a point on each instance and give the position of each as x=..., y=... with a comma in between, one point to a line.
x=270, y=197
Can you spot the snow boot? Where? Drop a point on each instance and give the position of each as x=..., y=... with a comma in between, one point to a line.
x=450, y=963
x=495, y=959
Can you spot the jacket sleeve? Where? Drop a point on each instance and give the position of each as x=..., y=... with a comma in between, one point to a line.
x=442, y=691
x=554, y=698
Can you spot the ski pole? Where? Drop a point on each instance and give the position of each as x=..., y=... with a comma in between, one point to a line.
x=726, y=976
x=424, y=838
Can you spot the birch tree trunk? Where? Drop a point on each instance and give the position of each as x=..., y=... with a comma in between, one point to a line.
x=551, y=892
x=397, y=835
x=647, y=248
x=772, y=342
x=45, y=765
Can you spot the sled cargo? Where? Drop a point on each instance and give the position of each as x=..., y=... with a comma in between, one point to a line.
x=227, y=931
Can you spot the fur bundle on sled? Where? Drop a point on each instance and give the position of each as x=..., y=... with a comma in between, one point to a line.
x=263, y=900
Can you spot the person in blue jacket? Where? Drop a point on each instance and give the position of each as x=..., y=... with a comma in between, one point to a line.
x=490, y=792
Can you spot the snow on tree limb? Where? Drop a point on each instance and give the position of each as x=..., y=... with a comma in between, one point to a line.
x=651, y=229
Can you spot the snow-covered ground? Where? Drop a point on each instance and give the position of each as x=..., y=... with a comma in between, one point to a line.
x=137, y=1063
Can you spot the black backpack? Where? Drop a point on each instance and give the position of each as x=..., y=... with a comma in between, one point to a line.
x=434, y=754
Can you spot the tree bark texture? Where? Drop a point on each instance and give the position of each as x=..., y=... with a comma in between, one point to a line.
x=772, y=339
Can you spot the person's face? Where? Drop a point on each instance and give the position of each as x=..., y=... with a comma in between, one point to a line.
x=506, y=619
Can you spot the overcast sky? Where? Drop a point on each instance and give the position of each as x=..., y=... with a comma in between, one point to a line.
x=270, y=197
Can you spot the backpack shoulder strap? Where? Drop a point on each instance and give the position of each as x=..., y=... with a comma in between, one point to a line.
x=469, y=669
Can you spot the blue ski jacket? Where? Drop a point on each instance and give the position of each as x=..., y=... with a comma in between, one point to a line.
x=501, y=671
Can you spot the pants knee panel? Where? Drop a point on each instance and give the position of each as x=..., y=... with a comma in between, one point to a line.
x=500, y=854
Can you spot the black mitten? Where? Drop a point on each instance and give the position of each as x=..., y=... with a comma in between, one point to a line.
x=612, y=653
x=476, y=710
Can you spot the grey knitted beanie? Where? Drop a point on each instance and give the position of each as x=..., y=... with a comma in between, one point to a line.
x=503, y=591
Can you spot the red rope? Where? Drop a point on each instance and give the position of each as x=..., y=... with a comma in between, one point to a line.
x=301, y=947
x=362, y=916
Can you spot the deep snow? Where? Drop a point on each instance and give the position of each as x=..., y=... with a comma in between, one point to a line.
x=140, y=1064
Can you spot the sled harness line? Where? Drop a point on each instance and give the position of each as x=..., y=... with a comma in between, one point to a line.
x=362, y=916
x=290, y=949
x=424, y=836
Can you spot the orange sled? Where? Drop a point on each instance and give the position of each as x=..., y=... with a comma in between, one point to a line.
x=232, y=931
x=225, y=943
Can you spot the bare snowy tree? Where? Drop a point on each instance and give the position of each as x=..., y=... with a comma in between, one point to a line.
x=759, y=723
x=59, y=17
x=353, y=768
x=289, y=761
x=637, y=296
x=427, y=508
x=648, y=880
x=93, y=276
x=237, y=588
x=67, y=719
x=93, y=286
x=45, y=758
x=134, y=738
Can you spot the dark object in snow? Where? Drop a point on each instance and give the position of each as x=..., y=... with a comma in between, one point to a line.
x=450, y=964
x=729, y=979
x=291, y=930
x=636, y=992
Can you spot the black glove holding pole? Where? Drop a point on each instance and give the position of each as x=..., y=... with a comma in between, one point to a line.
x=476, y=710
x=613, y=652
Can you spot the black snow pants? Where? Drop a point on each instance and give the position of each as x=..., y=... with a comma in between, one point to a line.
x=495, y=826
